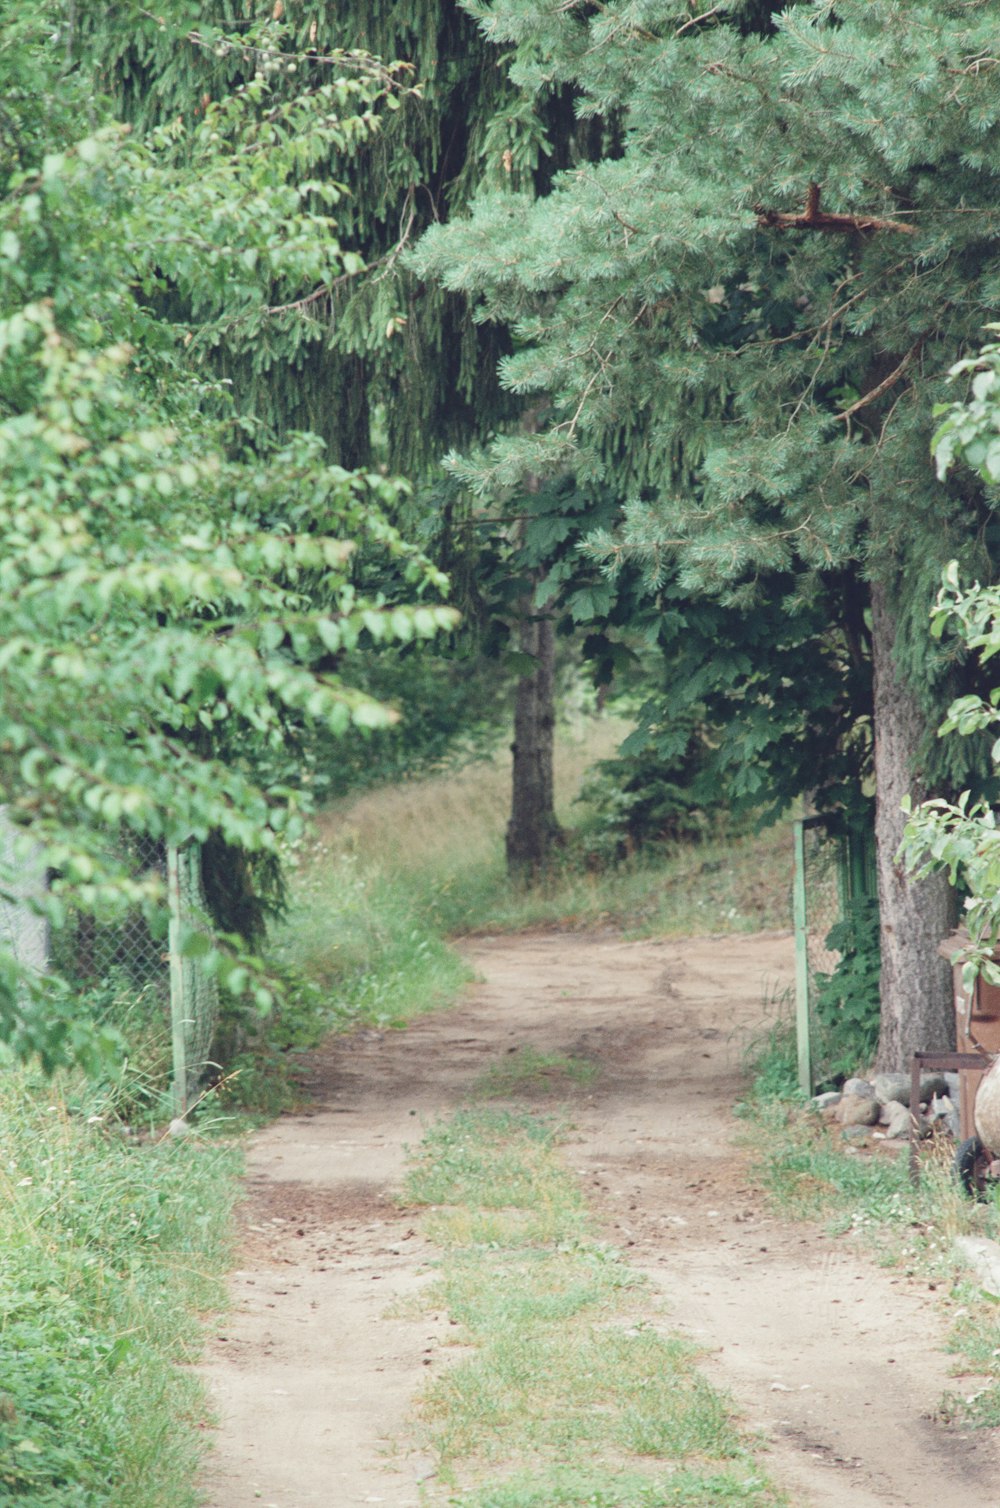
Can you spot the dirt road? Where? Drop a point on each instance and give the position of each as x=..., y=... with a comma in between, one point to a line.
x=835, y=1362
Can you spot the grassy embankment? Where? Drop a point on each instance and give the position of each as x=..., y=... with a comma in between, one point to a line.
x=109, y=1254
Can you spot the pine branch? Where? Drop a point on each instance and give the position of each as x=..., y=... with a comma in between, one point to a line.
x=813, y=218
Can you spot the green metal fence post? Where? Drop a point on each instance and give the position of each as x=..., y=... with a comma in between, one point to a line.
x=178, y=1010
x=802, y=1039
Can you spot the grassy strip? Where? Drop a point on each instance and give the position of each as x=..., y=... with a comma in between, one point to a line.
x=528, y=1073
x=109, y=1252
x=568, y=1361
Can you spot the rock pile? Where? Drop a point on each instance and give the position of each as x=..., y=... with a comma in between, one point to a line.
x=881, y=1106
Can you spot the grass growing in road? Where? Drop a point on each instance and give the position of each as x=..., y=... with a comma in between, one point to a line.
x=108, y=1253
x=579, y=1488
x=569, y=1356
x=528, y=1072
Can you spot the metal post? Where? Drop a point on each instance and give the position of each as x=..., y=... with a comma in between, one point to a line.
x=914, y=1119
x=178, y=1013
x=802, y=1040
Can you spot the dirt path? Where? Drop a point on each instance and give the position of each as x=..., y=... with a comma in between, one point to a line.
x=835, y=1362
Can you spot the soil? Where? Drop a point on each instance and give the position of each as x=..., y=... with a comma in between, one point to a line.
x=836, y=1363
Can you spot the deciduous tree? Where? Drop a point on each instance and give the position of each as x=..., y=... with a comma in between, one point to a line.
x=177, y=581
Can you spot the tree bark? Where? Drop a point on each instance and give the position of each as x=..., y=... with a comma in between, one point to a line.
x=915, y=985
x=533, y=830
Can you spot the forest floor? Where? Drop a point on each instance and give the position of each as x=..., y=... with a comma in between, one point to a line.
x=836, y=1363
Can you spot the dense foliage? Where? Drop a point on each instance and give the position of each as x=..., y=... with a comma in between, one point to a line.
x=179, y=584
x=381, y=366
x=961, y=836
x=741, y=320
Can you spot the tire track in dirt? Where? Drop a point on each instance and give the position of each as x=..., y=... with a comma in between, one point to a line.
x=835, y=1362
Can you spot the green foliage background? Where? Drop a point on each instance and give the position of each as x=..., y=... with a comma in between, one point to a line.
x=179, y=581
x=758, y=398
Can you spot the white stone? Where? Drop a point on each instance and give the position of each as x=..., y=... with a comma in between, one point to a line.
x=899, y=1123
x=983, y=1256
x=860, y=1088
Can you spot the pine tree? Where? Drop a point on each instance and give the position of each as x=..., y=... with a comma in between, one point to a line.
x=744, y=318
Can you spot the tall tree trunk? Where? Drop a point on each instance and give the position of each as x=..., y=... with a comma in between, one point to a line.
x=533, y=830
x=915, y=988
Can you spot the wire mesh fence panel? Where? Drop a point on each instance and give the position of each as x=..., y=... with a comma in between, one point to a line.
x=816, y=906
x=122, y=964
x=122, y=950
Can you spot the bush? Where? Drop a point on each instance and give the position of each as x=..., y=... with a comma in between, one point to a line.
x=847, y=1001
x=641, y=799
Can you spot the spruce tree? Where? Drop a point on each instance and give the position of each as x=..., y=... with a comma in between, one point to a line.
x=382, y=364
x=744, y=318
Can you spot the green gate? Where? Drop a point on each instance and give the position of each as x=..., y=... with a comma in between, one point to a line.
x=834, y=865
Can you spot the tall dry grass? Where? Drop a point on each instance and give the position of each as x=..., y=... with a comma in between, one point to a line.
x=457, y=818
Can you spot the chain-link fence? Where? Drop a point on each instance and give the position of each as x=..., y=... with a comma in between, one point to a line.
x=125, y=949
x=141, y=969
x=834, y=868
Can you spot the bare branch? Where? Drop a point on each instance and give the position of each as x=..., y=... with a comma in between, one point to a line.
x=814, y=218
x=885, y=384
x=705, y=15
